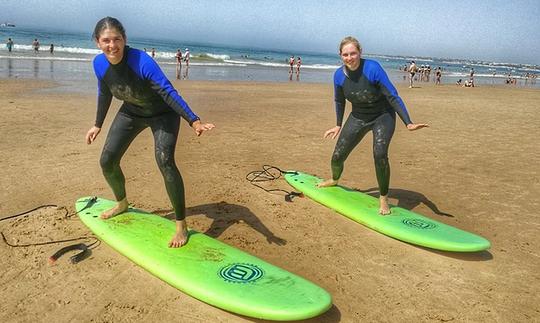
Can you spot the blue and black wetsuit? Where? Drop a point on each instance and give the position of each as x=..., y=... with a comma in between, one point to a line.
x=375, y=103
x=150, y=100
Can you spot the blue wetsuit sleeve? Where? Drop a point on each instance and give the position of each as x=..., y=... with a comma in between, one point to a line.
x=165, y=89
x=339, y=98
x=103, y=102
x=390, y=92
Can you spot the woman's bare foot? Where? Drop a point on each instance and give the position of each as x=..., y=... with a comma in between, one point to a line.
x=384, y=208
x=120, y=207
x=327, y=183
x=181, y=236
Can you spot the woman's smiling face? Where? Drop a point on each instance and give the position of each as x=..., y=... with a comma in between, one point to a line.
x=350, y=55
x=112, y=43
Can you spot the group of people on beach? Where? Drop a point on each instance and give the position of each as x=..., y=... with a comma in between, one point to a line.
x=150, y=101
x=421, y=74
x=185, y=57
x=179, y=58
x=35, y=45
x=294, y=65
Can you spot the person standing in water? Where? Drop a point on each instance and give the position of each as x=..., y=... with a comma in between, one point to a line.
x=35, y=45
x=298, y=64
x=149, y=101
x=375, y=102
x=291, y=67
x=178, y=57
x=9, y=44
x=187, y=57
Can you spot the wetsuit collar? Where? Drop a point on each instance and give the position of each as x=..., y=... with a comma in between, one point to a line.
x=124, y=57
x=348, y=73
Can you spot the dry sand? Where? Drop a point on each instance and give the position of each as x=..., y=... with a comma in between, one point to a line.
x=478, y=164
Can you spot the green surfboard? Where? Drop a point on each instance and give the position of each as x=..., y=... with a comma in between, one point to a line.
x=206, y=268
x=401, y=224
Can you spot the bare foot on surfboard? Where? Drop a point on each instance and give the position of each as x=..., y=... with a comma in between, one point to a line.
x=384, y=208
x=327, y=183
x=120, y=207
x=181, y=236
x=179, y=239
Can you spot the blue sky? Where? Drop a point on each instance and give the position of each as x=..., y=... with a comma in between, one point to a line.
x=502, y=31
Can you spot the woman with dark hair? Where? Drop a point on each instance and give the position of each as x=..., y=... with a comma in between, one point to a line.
x=375, y=102
x=151, y=101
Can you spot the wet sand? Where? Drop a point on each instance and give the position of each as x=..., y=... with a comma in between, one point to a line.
x=476, y=168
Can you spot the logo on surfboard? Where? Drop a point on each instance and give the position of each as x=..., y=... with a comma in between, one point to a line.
x=419, y=224
x=241, y=273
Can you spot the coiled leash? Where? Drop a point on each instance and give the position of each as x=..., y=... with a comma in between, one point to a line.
x=266, y=175
x=85, y=249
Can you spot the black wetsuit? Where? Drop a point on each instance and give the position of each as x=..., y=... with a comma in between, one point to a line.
x=150, y=100
x=375, y=102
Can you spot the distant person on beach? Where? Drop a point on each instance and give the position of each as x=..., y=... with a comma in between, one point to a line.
x=438, y=75
x=35, y=45
x=187, y=57
x=298, y=64
x=51, y=49
x=178, y=57
x=458, y=82
x=412, y=71
x=9, y=44
x=471, y=77
x=149, y=101
x=375, y=102
x=153, y=52
x=291, y=67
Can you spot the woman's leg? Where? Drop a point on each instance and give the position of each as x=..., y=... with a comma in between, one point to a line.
x=165, y=129
x=122, y=132
x=350, y=135
x=383, y=130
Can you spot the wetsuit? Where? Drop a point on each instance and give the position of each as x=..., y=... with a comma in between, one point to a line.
x=150, y=100
x=375, y=102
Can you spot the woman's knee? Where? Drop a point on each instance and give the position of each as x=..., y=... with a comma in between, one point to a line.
x=108, y=161
x=166, y=162
x=380, y=155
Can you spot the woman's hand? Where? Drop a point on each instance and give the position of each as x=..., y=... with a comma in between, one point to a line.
x=92, y=134
x=200, y=127
x=332, y=132
x=416, y=126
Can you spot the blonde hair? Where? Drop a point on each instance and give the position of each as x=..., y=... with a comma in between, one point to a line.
x=350, y=40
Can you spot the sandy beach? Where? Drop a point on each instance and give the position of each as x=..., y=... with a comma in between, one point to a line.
x=477, y=168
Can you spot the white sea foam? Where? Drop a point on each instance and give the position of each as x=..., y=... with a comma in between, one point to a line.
x=48, y=58
x=216, y=56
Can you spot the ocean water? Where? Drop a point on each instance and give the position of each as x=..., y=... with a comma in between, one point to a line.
x=73, y=53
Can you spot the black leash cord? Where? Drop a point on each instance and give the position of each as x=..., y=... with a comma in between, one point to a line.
x=32, y=210
x=266, y=175
x=85, y=249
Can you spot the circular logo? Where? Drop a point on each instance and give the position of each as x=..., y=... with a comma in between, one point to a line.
x=241, y=273
x=419, y=223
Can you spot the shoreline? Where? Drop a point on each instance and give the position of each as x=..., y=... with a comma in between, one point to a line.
x=76, y=69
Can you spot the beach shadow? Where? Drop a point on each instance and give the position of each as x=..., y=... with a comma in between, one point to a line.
x=224, y=215
x=409, y=200
x=333, y=315
x=406, y=199
x=465, y=256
